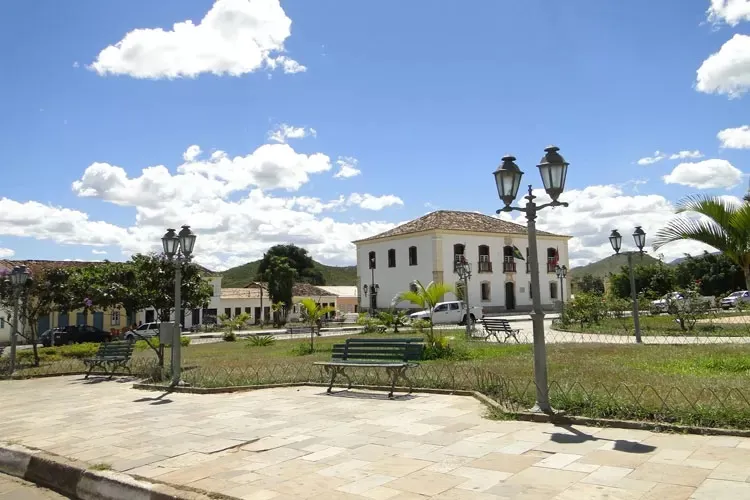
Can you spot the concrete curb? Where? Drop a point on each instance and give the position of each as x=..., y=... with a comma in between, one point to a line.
x=72, y=478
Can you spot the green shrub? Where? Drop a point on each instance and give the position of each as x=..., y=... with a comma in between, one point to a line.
x=229, y=336
x=185, y=341
x=302, y=349
x=261, y=340
x=369, y=324
x=420, y=325
x=79, y=351
x=142, y=345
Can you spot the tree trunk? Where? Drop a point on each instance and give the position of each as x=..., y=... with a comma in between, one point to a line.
x=746, y=270
x=33, y=344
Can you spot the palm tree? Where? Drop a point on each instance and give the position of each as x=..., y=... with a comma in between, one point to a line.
x=723, y=225
x=426, y=297
x=312, y=315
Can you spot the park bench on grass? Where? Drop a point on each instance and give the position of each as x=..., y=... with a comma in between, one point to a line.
x=494, y=327
x=394, y=354
x=292, y=330
x=113, y=355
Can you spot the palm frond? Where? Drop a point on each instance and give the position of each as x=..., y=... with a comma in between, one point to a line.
x=716, y=208
x=683, y=228
x=413, y=297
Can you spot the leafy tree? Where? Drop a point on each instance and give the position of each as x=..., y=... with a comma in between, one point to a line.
x=652, y=280
x=280, y=276
x=717, y=274
x=155, y=275
x=724, y=225
x=588, y=283
x=279, y=310
x=585, y=308
x=312, y=315
x=37, y=299
x=298, y=259
x=394, y=318
x=426, y=297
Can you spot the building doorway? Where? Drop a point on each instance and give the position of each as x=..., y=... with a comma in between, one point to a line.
x=510, y=295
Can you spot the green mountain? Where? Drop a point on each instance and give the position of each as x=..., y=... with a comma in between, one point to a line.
x=611, y=264
x=238, y=277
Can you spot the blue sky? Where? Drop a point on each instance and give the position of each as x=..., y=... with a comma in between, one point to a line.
x=423, y=98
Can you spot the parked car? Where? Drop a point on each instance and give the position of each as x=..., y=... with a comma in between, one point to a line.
x=146, y=330
x=445, y=313
x=47, y=338
x=732, y=299
x=673, y=300
x=79, y=334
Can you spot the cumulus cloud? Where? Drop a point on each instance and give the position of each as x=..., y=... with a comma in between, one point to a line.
x=99, y=252
x=683, y=155
x=347, y=167
x=191, y=153
x=6, y=253
x=707, y=174
x=227, y=202
x=728, y=70
x=729, y=11
x=62, y=225
x=370, y=202
x=235, y=37
x=595, y=210
x=650, y=160
x=284, y=132
x=735, y=138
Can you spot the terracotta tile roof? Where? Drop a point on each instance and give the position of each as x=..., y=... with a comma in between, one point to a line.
x=298, y=290
x=453, y=220
x=242, y=293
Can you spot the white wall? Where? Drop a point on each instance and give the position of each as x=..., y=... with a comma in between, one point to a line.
x=394, y=280
x=430, y=248
x=5, y=319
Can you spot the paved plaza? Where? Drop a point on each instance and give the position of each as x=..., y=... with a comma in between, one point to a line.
x=12, y=488
x=291, y=443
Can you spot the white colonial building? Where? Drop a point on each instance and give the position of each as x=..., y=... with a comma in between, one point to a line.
x=426, y=249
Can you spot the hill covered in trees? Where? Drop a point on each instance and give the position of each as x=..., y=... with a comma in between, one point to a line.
x=240, y=276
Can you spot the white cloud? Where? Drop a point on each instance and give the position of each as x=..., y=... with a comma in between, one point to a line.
x=729, y=11
x=706, y=174
x=683, y=155
x=735, y=138
x=347, y=167
x=284, y=132
x=62, y=225
x=225, y=201
x=99, y=252
x=191, y=153
x=75, y=64
x=650, y=160
x=6, y=253
x=595, y=210
x=235, y=37
x=728, y=70
x=370, y=202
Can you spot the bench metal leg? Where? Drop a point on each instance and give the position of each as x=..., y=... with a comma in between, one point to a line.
x=346, y=376
x=93, y=365
x=332, y=370
x=408, y=380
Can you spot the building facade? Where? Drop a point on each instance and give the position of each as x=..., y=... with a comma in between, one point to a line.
x=427, y=249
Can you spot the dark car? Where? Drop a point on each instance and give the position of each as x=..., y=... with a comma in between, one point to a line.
x=47, y=339
x=79, y=334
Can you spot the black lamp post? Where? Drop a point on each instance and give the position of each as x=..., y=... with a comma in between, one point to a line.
x=178, y=247
x=463, y=268
x=18, y=277
x=553, y=169
x=639, y=237
x=561, y=272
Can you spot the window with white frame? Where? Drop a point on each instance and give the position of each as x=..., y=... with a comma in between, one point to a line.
x=115, y=317
x=485, y=290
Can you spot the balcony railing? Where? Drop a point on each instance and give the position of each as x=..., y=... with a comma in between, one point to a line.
x=485, y=266
x=457, y=259
x=551, y=266
x=509, y=266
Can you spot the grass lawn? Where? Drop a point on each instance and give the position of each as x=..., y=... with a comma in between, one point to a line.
x=713, y=325
x=690, y=384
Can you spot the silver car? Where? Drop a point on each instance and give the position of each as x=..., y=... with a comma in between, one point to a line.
x=734, y=298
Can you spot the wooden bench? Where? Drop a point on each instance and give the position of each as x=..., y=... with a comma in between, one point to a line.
x=396, y=355
x=496, y=326
x=292, y=330
x=113, y=355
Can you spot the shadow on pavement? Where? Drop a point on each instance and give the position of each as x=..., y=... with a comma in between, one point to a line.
x=159, y=400
x=345, y=393
x=581, y=437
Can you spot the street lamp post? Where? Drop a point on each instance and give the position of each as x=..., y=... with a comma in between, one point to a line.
x=639, y=236
x=553, y=169
x=18, y=278
x=374, y=288
x=178, y=247
x=561, y=272
x=463, y=268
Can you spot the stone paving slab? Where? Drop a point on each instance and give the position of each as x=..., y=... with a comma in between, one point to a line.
x=12, y=488
x=298, y=442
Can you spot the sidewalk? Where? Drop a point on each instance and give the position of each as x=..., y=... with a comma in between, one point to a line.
x=298, y=442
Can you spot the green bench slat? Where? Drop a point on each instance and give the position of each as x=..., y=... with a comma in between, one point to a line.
x=385, y=341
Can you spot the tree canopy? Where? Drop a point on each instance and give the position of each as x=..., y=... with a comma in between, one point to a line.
x=297, y=258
